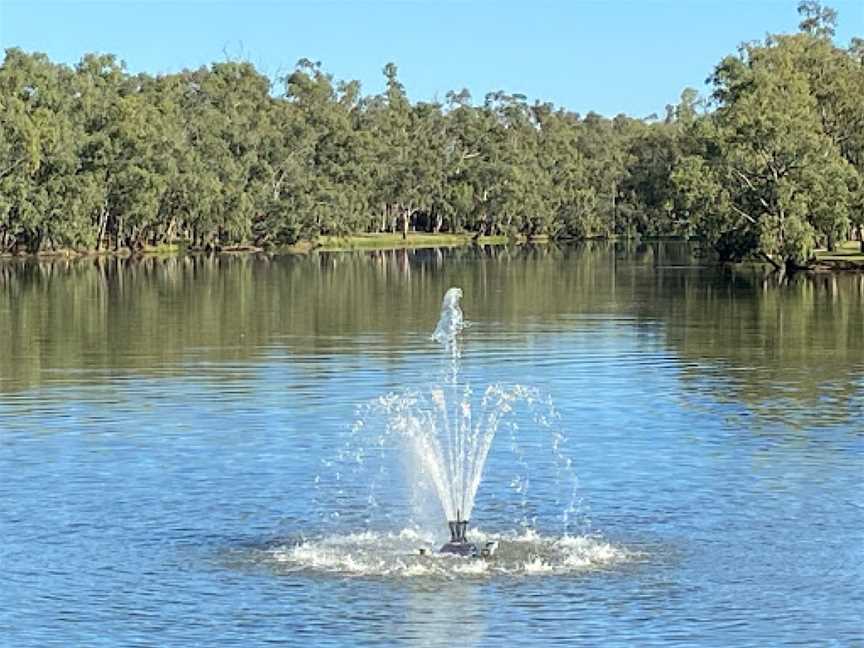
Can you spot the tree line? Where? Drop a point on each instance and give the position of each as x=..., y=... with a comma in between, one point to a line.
x=770, y=165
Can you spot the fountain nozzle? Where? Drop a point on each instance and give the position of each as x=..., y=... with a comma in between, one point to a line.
x=458, y=527
x=459, y=544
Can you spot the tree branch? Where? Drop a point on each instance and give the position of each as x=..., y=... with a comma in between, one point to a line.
x=749, y=183
x=768, y=258
x=744, y=214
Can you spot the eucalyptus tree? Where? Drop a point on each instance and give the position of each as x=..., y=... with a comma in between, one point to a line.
x=572, y=198
x=604, y=169
x=391, y=121
x=40, y=197
x=653, y=150
x=773, y=181
x=468, y=150
x=232, y=101
x=430, y=166
x=506, y=163
x=92, y=156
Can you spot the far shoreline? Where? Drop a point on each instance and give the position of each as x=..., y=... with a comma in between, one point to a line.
x=326, y=243
x=847, y=257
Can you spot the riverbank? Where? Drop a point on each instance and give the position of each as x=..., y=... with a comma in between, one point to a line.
x=395, y=241
x=847, y=257
x=365, y=241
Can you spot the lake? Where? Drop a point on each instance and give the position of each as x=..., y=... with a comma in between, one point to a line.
x=187, y=454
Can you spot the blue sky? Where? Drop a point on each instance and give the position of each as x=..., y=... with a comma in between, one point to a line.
x=632, y=57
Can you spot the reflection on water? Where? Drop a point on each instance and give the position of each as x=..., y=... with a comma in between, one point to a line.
x=169, y=432
x=750, y=341
x=433, y=617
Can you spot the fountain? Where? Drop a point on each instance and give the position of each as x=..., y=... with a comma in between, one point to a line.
x=445, y=432
x=447, y=443
x=462, y=460
x=441, y=434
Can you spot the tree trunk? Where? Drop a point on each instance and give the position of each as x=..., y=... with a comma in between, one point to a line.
x=169, y=233
x=117, y=234
x=34, y=242
x=770, y=260
x=791, y=267
x=103, y=223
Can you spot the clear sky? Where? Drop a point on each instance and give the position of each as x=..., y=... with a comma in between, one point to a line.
x=622, y=56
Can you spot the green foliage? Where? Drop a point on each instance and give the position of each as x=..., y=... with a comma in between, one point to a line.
x=775, y=170
x=93, y=157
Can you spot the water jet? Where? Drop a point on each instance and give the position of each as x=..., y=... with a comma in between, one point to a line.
x=443, y=434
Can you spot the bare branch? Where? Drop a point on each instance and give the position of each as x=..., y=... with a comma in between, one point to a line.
x=744, y=214
x=752, y=187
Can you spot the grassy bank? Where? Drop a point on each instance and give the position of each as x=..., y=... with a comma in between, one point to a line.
x=376, y=241
x=391, y=241
x=847, y=256
x=848, y=251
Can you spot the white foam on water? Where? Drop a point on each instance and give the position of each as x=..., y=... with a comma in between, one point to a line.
x=537, y=566
x=583, y=551
x=397, y=555
x=470, y=567
x=416, y=570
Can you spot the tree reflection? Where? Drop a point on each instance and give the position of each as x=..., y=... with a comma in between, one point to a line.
x=742, y=335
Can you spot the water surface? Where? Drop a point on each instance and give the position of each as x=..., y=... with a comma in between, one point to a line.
x=170, y=435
